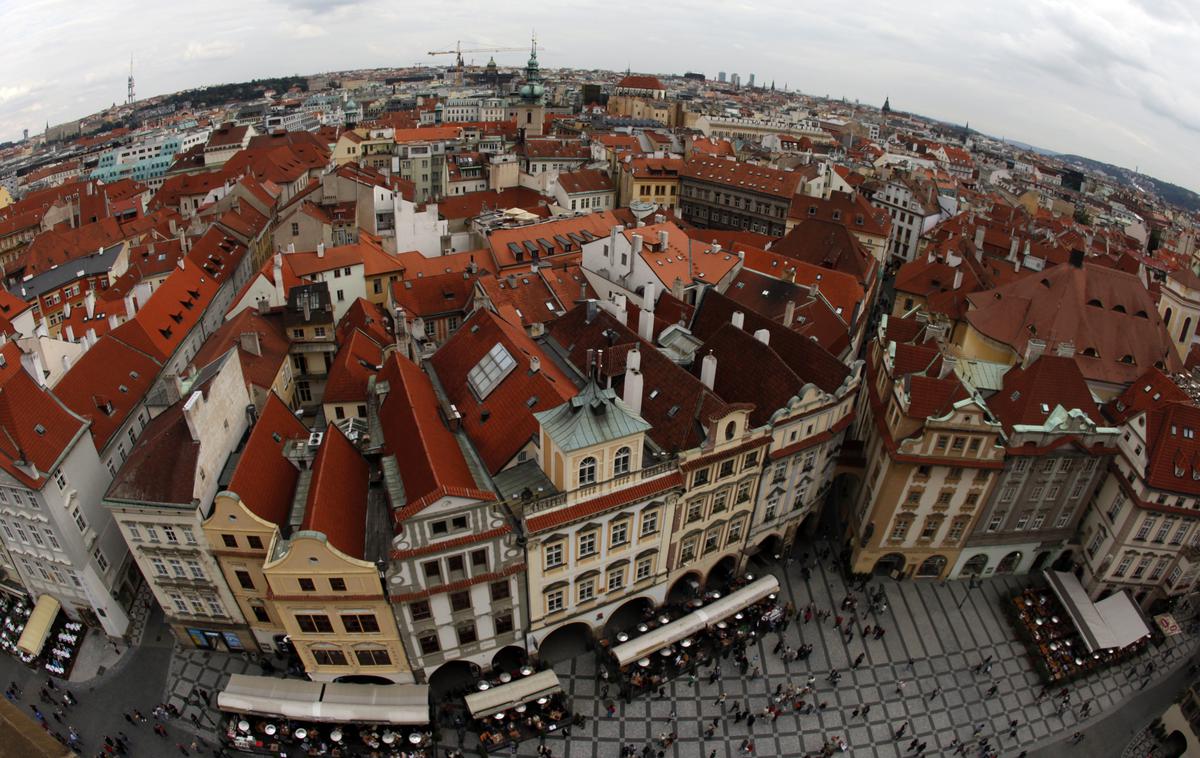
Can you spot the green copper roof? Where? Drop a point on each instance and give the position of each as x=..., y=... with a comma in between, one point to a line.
x=592, y=417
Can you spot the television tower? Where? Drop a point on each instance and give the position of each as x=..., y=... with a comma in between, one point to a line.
x=129, y=100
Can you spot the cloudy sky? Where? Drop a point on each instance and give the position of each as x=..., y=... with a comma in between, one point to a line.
x=1109, y=79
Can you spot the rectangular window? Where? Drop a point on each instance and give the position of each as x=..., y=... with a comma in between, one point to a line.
x=700, y=477
x=620, y=533
x=373, y=657
x=720, y=502
x=432, y=570
x=460, y=601
x=169, y=534
x=456, y=564
x=337, y=584
x=695, y=511
x=644, y=567
x=503, y=623
x=554, y=601
x=196, y=570
x=712, y=540
x=726, y=468
x=735, y=532
x=228, y=539
x=420, y=610
x=314, y=623
x=616, y=579
x=327, y=657
x=306, y=584
x=245, y=581
x=587, y=544
x=160, y=566
x=1164, y=531
x=260, y=614
x=586, y=590
x=466, y=634
x=360, y=623
x=900, y=529
x=1144, y=530
x=429, y=643
x=649, y=522
x=554, y=555
x=500, y=590
x=254, y=541
x=177, y=567
x=1064, y=518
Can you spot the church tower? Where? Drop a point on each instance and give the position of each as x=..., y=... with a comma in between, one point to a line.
x=529, y=106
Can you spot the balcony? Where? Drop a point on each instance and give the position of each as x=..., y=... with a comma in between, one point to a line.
x=590, y=491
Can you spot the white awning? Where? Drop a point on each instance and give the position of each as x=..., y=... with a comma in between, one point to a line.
x=739, y=599
x=37, y=628
x=375, y=703
x=269, y=696
x=505, y=696
x=656, y=639
x=1123, y=618
x=1114, y=622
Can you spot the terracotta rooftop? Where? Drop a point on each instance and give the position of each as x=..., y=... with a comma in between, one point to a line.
x=264, y=478
x=743, y=177
x=337, y=494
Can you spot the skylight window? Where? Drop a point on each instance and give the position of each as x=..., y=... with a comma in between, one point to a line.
x=491, y=370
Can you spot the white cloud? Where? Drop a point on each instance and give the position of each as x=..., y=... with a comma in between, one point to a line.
x=211, y=50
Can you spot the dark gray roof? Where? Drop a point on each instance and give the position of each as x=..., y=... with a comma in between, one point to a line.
x=48, y=281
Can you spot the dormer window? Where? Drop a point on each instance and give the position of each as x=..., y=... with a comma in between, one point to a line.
x=621, y=461
x=587, y=471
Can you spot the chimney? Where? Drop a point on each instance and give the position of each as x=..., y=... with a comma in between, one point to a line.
x=1033, y=351
x=948, y=362
x=277, y=275
x=89, y=303
x=1012, y=248
x=535, y=364
x=591, y=311
x=789, y=314
x=66, y=310
x=1026, y=251
x=646, y=315
x=979, y=232
x=763, y=336
x=34, y=366
x=677, y=288
x=250, y=343
x=291, y=248
x=739, y=319
x=320, y=249
x=663, y=237
x=616, y=232
x=637, y=246
x=1065, y=349
x=70, y=332
x=112, y=321
x=633, y=359
x=190, y=410
x=716, y=246
x=1076, y=258
x=708, y=370
x=659, y=218
x=633, y=386
x=958, y=278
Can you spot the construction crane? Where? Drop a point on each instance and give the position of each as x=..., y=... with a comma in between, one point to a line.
x=458, y=51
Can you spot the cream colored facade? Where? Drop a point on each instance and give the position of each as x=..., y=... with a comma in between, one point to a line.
x=334, y=609
x=710, y=522
x=239, y=540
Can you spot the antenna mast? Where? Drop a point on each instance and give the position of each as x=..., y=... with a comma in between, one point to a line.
x=129, y=100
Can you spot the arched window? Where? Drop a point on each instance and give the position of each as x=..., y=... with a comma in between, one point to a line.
x=621, y=461
x=730, y=430
x=1185, y=333
x=1167, y=317
x=587, y=471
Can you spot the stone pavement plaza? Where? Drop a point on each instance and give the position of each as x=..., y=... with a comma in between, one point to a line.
x=923, y=625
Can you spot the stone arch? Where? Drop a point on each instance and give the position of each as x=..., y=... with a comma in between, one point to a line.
x=567, y=641
x=932, y=567
x=721, y=574
x=453, y=679
x=509, y=658
x=1008, y=563
x=975, y=565
x=628, y=615
x=890, y=564
x=685, y=588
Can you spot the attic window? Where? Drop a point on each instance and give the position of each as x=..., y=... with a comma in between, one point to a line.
x=1119, y=309
x=1046, y=283
x=1045, y=408
x=1096, y=303
x=653, y=394
x=1090, y=352
x=812, y=210
x=1141, y=314
x=275, y=436
x=1127, y=359
x=39, y=429
x=491, y=370
x=673, y=411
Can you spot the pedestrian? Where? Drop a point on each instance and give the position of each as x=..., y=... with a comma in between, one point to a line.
x=858, y=660
x=721, y=701
x=611, y=707
x=936, y=691
x=866, y=709
x=993, y=690
x=750, y=721
x=50, y=683
x=128, y=717
x=69, y=698
x=182, y=749
x=900, y=687
x=913, y=745
x=903, y=728
x=1076, y=738
x=58, y=714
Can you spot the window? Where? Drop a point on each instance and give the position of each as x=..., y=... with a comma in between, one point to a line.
x=360, y=623
x=957, y=527
x=169, y=533
x=644, y=566
x=554, y=555
x=649, y=522
x=720, y=501
x=1038, y=519
x=1176, y=540
x=479, y=559
x=735, y=532
x=712, y=539
x=1144, y=530
x=1095, y=544
x=432, y=569
x=60, y=479
x=688, y=551
x=554, y=601
x=190, y=538
x=328, y=657
x=587, y=544
x=621, y=461
x=700, y=477
x=1165, y=530
x=79, y=521
x=743, y=492
x=466, y=633
x=503, y=623
x=586, y=590
x=160, y=567
x=373, y=657
x=616, y=579
x=490, y=370
x=900, y=528
x=228, y=539
x=306, y=584
x=695, y=511
x=726, y=468
x=1064, y=517
x=180, y=605
x=51, y=538
x=177, y=567
x=337, y=584
x=456, y=564
x=314, y=623
x=500, y=590
x=1143, y=564
x=930, y=528
x=429, y=643
x=1036, y=492
x=1123, y=566
x=1115, y=509
x=587, y=471
x=460, y=601
x=619, y=534
x=420, y=610
x=260, y=614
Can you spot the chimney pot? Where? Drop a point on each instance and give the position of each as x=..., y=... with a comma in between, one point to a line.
x=739, y=319
x=708, y=370
x=763, y=336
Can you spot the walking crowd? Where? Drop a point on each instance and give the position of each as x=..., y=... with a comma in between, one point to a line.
x=57, y=701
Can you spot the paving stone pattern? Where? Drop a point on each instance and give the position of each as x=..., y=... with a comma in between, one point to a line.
x=924, y=625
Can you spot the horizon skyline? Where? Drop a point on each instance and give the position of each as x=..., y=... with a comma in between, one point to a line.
x=1098, y=81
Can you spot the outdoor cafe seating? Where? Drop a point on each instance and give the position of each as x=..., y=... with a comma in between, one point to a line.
x=517, y=707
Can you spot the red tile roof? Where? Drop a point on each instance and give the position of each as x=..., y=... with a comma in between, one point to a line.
x=1150, y=390
x=433, y=296
x=1030, y=394
x=258, y=369
x=639, y=81
x=595, y=224
x=472, y=204
x=585, y=180
x=264, y=478
x=106, y=384
x=367, y=317
x=502, y=423
x=1173, y=454
x=415, y=265
x=829, y=245
x=352, y=368
x=34, y=427
x=1107, y=314
x=744, y=177
x=526, y=293
x=428, y=454
x=337, y=494
x=171, y=312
